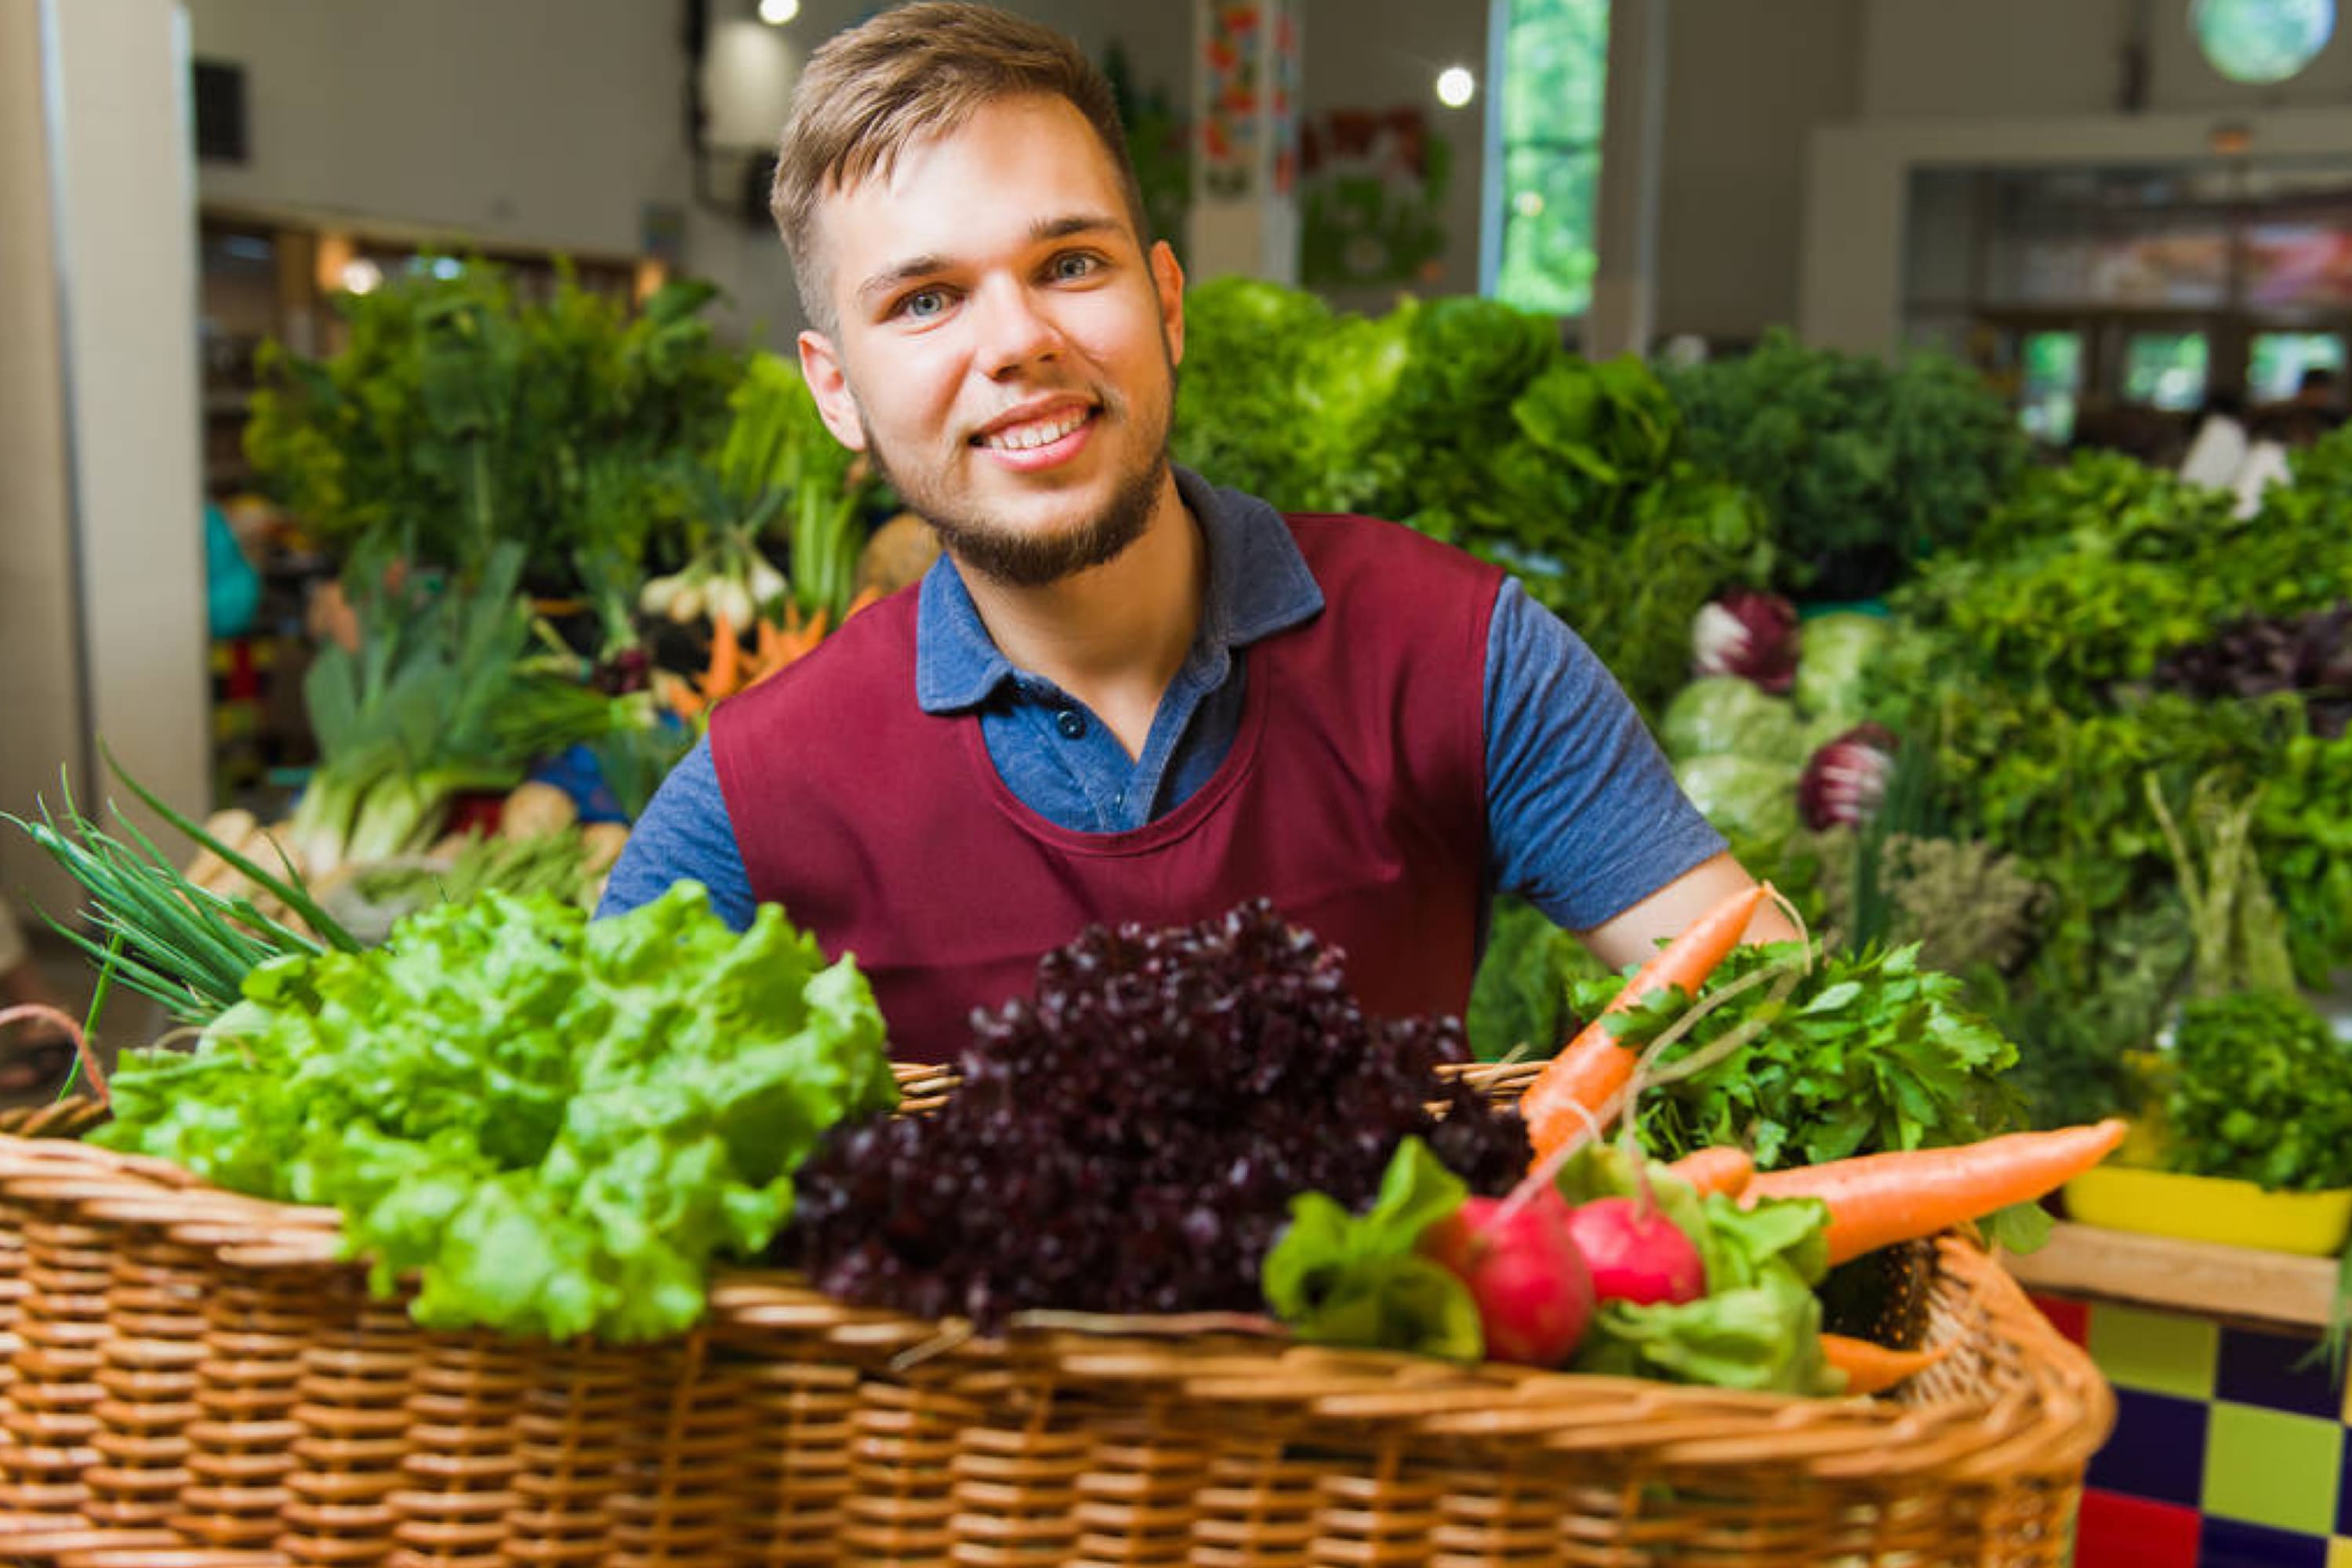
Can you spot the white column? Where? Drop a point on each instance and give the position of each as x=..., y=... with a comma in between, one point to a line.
x=104, y=588
x=1244, y=215
x=1633, y=139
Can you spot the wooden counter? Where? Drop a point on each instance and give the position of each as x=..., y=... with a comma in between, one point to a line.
x=2234, y=1282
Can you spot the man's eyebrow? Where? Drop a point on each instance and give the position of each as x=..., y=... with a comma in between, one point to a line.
x=1044, y=229
x=906, y=271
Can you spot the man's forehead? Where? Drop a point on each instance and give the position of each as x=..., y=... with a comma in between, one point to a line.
x=901, y=158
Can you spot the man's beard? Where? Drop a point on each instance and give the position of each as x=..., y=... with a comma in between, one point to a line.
x=1015, y=559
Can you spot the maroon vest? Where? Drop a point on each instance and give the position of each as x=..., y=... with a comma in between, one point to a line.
x=1354, y=797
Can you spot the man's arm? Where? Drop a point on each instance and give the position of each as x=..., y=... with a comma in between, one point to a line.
x=1634, y=935
x=1585, y=818
x=684, y=834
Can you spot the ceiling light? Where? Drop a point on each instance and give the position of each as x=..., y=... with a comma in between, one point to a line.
x=776, y=12
x=1456, y=86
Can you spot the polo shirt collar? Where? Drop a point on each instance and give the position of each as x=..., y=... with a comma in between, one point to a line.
x=1258, y=584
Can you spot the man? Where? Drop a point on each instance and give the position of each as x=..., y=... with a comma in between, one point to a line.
x=1123, y=694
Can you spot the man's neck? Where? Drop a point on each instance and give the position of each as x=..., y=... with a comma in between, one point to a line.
x=1114, y=635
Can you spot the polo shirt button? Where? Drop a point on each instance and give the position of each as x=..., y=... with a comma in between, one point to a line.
x=1071, y=723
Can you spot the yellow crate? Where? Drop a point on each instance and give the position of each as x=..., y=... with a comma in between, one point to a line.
x=2212, y=1208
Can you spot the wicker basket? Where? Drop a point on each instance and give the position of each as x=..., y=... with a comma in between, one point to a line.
x=194, y=1379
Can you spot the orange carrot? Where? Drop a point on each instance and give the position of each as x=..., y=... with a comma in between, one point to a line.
x=1725, y=1170
x=1592, y=1069
x=725, y=673
x=1877, y=1200
x=1873, y=1368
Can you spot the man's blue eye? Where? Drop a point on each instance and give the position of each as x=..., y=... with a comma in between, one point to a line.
x=924, y=304
x=1068, y=267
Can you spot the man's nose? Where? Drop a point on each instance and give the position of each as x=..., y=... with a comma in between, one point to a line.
x=1011, y=329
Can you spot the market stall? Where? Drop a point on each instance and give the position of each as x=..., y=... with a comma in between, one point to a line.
x=460, y=1228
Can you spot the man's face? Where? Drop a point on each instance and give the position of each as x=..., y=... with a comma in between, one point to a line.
x=1006, y=350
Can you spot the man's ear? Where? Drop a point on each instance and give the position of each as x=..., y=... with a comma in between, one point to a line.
x=1167, y=281
x=821, y=367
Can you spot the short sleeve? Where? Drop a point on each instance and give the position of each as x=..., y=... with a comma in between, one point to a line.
x=685, y=834
x=1582, y=811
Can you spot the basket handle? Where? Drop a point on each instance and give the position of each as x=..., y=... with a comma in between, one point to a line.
x=27, y=1012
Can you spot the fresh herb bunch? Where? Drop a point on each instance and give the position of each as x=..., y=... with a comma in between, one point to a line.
x=1129, y=1138
x=469, y=415
x=1870, y=1052
x=1864, y=467
x=2303, y=838
x=2259, y=1089
x=555, y=1125
x=184, y=947
x=1963, y=903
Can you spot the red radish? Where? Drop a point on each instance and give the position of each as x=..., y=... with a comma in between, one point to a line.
x=1533, y=1293
x=1636, y=1254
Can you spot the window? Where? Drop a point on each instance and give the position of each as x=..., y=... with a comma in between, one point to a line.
x=1547, y=131
x=2053, y=381
x=2261, y=40
x=2280, y=360
x=2165, y=369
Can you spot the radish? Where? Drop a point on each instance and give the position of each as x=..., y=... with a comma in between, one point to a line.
x=1533, y=1293
x=1636, y=1254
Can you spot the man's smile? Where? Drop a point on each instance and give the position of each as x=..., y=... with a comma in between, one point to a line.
x=1039, y=436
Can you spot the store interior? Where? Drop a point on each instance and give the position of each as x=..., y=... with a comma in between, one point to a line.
x=1946, y=396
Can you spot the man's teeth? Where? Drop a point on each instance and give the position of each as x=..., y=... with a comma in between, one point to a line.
x=1026, y=438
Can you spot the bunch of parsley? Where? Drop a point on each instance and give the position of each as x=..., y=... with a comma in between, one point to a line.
x=1869, y=1052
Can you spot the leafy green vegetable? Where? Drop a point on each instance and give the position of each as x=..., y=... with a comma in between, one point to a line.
x=1869, y=1052
x=1747, y=797
x=1856, y=459
x=443, y=695
x=1759, y=1326
x=2259, y=1089
x=554, y=1125
x=2303, y=839
x=1518, y=998
x=1464, y=418
x=1724, y=715
x=460, y=415
x=1355, y=1279
x=1836, y=654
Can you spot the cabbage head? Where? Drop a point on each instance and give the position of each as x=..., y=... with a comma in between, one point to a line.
x=1833, y=651
x=1750, y=802
x=1720, y=715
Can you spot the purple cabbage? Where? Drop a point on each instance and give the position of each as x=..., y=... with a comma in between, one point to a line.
x=1845, y=779
x=1747, y=633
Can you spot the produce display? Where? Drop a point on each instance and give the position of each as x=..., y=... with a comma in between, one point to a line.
x=2061, y=809
x=554, y=1125
x=1464, y=418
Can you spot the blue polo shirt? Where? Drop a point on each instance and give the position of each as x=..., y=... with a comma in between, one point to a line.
x=1584, y=818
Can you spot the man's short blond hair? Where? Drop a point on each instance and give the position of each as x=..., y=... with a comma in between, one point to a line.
x=908, y=76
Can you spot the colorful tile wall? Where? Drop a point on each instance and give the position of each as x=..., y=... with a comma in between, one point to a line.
x=2229, y=1449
